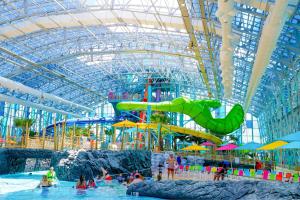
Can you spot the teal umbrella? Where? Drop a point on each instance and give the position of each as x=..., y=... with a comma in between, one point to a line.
x=291, y=137
x=292, y=145
x=249, y=146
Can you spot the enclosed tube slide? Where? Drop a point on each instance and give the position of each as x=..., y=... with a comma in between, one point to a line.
x=198, y=110
x=84, y=121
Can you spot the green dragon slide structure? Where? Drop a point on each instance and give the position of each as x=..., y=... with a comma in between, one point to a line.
x=198, y=110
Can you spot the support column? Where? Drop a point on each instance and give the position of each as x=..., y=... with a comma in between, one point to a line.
x=252, y=132
x=73, y=134
x=114, y=135
x=136, y=138
x=7, y=140
x=27, y=136
x=5, y=120
x=63, y=133
x=149, y=139
x=148, y=142
x=40, y=120
x=97, y=138
x=58, y=134
x=44, y=136
x=54, y=133
x=101, y=126
x=122, y=138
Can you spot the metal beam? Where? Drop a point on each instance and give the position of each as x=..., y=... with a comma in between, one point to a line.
x=190, y=30
x=35, y=105
x=57, y=74
x=210, y=49
x=13, y=85
x=125, y=51
x=267, y=44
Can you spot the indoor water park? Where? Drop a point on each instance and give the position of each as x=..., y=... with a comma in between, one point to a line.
x=150, y=99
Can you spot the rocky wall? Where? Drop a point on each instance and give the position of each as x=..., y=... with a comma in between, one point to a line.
x=229, y=190
x=69, y=165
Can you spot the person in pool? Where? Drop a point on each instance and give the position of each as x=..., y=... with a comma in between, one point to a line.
x=120, y=178
x=51, y=176
x=105, y=176
x=44, y=182
x=92, y=183
x=137, y=179
x=81, y=183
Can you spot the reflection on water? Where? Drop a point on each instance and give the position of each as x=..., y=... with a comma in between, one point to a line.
x=23, y=187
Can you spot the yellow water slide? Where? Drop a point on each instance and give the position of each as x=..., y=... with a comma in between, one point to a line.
x=183, y=130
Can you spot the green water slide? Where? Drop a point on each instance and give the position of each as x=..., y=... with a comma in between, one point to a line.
x=198, y=110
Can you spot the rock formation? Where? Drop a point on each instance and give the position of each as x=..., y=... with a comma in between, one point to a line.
x=69, y=165
x=229, y=190
x=22, y=160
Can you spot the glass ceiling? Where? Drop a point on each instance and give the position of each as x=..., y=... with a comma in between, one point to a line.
x=80, y=50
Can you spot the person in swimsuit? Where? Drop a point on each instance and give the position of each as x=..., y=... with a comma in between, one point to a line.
x=160, y=169
x=92, y=183
x=51, y=176
x=137, y=179
x=171, y=165
x=105, y=176
x=81, y=184
x=219, y=173
x=44, y=182
x=120, y=178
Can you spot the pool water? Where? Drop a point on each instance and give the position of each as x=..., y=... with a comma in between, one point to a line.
x=23, y=187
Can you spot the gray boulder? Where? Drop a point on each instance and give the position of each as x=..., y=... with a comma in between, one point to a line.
x=229, y=190
x=22, y=160
x=69, y=165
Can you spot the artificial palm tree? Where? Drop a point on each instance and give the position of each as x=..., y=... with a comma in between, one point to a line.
x=78, y=131
x=232, y=139
x=109, y=133
x=186, y=138
x=22, y=123
x=160, y=118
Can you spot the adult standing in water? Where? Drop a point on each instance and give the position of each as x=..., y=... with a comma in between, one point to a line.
x=171, y=165
x=51, y=176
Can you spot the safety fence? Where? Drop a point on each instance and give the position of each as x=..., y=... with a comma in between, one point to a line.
x=66, y=142
x=51, y=143
x=199, y=172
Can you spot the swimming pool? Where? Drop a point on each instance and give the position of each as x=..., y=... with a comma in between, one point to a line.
x=23, y=187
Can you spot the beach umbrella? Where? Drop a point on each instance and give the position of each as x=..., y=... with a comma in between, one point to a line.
x=249, y=146
x=292, y=145
x=291, y=137
x=124, y=124
x=227, y=147
x=195, y=148
x=273, y=145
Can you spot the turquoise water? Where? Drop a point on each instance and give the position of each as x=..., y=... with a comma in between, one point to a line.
x=23, y=187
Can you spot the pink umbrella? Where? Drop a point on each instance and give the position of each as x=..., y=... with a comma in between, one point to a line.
x=227, y=147
x=207, y=144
